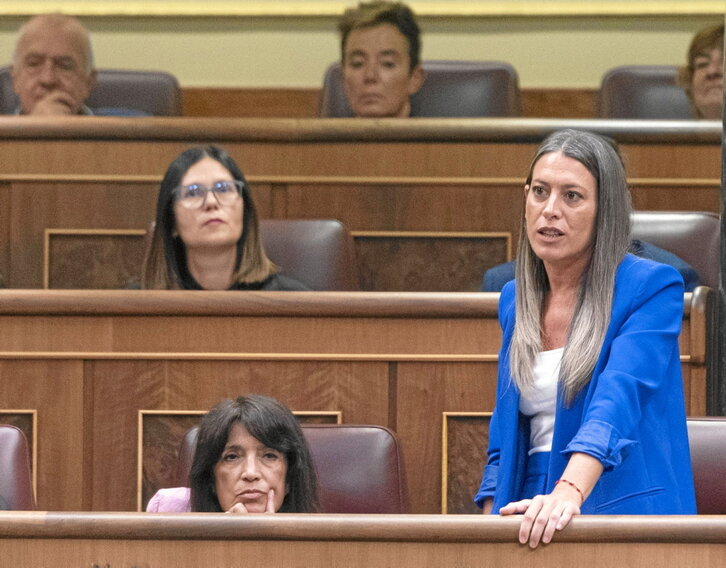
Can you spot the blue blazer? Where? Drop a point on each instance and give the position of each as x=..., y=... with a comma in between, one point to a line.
x=630, y=416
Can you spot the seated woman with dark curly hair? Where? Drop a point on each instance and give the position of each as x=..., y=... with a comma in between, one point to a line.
x=207, y=234
x=251, y=457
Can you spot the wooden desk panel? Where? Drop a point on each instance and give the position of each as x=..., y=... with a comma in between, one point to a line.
x=424, y=147
x=89, y=363
x=181, y=540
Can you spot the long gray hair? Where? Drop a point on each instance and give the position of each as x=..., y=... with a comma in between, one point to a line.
x=611, y=239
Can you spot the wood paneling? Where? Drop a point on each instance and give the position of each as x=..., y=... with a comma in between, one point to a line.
x=464, y=434
x=559, y=103
x=68, y=204
x=202, y=539
x=159, y=438
x=95, y=259
x=253, y=103
x=437, y=210
x=90, y=361
x=387, y=261
x=423, y=262
x=676, y=195
x=359, y=390
x=425, y=393
x=304, y=103
x=54, y=390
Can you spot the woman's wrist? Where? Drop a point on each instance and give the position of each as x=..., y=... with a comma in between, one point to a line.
x=568, y=483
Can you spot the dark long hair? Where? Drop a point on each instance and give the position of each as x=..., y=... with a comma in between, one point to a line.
x=165, y=265
x=272, y=424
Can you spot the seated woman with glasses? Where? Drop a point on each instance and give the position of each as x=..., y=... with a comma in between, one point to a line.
x=206, y=235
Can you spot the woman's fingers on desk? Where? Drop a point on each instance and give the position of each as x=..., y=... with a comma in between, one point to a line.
x=515, y=507
x=542, y=516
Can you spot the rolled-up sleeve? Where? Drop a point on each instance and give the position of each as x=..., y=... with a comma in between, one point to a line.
x=602, y=441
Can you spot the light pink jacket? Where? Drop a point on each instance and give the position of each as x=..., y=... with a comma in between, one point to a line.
x=172, y=500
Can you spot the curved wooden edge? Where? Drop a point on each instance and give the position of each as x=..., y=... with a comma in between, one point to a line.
x=644, y=184
x=351, y=130
x=698, y=310
x=300, y=304
x=401, y=528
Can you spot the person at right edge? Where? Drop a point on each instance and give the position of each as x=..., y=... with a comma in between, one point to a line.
x=590, y=414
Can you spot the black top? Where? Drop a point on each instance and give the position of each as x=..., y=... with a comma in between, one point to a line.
x=273, y=282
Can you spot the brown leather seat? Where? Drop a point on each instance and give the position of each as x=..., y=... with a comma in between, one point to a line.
x=16, y=486
x=643, y=91
x=451, y=89
x=319, y=253
x=360, y=468
x=153, y=92
x=707, y=441
x=694, y=236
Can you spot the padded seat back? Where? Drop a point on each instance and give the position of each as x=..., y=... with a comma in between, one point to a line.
x=643, y=92
x=707, y=441
x=451, y=89
x=694, y=236
x=360, y=468
x=153, y=92
x=319, y=253
x=16, y=485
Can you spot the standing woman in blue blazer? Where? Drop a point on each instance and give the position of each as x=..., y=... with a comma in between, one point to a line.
x=590, y=414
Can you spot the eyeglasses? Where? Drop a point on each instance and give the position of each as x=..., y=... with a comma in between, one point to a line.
x=194, y=196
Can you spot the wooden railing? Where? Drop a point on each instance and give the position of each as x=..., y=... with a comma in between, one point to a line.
x=190, y=540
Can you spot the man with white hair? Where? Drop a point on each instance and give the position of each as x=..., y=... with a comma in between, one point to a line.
x=53, y=71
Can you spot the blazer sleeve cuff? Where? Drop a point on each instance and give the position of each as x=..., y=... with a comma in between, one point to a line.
x=602, y=441
x=488, y=485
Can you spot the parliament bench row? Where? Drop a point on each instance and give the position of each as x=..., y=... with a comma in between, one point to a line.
x=105, y=383
x=360, y=468
x=451, y=89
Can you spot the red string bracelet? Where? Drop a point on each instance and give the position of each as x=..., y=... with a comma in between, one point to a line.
x=563, y=480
